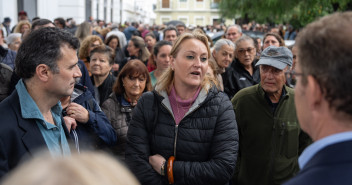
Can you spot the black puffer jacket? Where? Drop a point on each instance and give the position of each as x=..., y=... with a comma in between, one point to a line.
x=236, y=77
x=205, y=143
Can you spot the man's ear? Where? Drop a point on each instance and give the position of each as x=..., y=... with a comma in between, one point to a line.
x=43, y=72
x=314, y=93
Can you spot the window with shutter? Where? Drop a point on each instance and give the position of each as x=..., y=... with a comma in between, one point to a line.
x=165, y=4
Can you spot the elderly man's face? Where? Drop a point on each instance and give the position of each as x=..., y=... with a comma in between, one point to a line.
x=272, y=79
x=233, y=34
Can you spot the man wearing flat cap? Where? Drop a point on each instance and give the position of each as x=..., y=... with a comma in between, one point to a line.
x=270, y=136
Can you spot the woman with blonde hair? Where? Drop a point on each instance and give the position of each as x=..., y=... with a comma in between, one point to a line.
x=87, y=168
x=22, y=27
x=185, y=131
x=88, y=44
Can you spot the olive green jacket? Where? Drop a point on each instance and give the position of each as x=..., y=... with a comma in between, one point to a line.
x=270, y=143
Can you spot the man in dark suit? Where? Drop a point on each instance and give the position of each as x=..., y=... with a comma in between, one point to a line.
x=323, y=97
x=30, y=118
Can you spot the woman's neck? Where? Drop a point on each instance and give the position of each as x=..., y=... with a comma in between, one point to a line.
x=158, y=73
x=131, y=99
x=249, y=68
x=185, y=92
x=98, y=80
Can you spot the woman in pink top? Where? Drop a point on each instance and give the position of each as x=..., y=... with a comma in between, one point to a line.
x=185, y=131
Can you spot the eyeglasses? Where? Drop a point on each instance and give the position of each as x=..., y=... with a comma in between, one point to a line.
x=243, y=51
x=291, y=78
x=231, y=34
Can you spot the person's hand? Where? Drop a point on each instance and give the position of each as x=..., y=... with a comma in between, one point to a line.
x=78, y=112
x=115, y=67
x=70, y=123
x=156, y=161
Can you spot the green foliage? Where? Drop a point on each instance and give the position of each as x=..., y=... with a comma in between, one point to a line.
x=297, y=12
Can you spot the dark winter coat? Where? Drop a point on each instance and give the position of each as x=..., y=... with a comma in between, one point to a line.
x=205, y=143
x=119, y=113
x=5, y=79
x=97, y=132
x=105, y=89
x=236, y=77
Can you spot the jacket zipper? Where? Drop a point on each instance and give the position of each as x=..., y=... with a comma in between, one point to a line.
x=274, y=144
x=176, y=126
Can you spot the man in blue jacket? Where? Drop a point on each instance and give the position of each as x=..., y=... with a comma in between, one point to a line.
x=324, y=100
x=30, y=118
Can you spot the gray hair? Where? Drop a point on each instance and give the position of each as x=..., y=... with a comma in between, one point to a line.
x=244, y=38
x=12, y=37
x=238, y=27
x=218, y=45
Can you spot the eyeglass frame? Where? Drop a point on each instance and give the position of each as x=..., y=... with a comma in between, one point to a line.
x=243, y=51
x=290, y=77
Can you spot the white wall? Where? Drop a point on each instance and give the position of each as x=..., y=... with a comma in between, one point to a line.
x=72, y=8
x=51, y=9
x=45, y=12
x=8, y=8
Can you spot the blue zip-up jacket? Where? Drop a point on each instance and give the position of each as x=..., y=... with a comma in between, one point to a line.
x=97, y=132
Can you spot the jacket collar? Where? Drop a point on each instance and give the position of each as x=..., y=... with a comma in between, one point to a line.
x=202, y=97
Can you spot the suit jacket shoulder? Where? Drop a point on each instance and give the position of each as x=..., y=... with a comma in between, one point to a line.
x=331, y=165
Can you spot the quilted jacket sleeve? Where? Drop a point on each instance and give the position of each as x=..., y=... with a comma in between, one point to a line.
x=138, y=150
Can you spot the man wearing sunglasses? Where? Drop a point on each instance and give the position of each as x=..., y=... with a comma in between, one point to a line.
x=270, y=135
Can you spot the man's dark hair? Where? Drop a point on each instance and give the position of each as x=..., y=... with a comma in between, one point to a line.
x=39, y=23
x=181, y=24
x=324, y=52
x=169, y=28
x=61, y=21
x=135, y=24
x=42, y=46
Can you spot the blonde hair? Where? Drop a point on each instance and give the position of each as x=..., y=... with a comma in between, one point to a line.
x=89, y=168
x=83, y=50
x=20, y=24
x=167, y=78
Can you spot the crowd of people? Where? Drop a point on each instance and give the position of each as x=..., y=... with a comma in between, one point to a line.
x=171, y=106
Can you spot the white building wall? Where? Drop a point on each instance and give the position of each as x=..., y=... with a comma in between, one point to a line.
x=123, y=10
x=108, y=11
x=45, y=12
x=8, y=8
x=116, y=11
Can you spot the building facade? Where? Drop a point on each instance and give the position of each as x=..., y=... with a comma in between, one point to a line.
x=117, y=11
x=190, y=12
